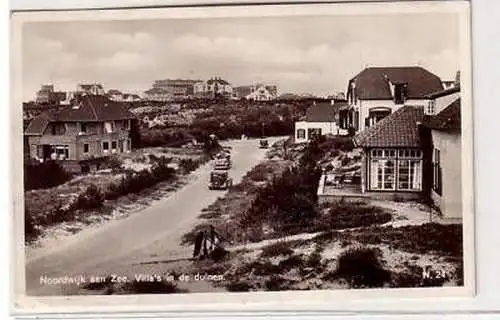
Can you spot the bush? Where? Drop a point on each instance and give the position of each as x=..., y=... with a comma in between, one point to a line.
x=44, y=175
x=188, y=165
x=361, y=267
x=275, y=283
x=277, y=249
x=344, y=214
x=295, y=261
x=92, y=198
x=219, y=254
x=238, y=286
x=429, y=238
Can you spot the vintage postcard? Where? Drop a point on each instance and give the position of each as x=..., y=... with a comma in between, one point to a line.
x=175, y=158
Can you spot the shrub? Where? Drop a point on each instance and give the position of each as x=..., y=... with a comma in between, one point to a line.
x=345, y=214
x=188, y=165
x=276, y=249
x=434, y=238
x=361, y=267
x=314, y=260
x=275, y=283
x=92, y=198
x=219, y=254
x=295, y=261
x=238, y=286
x=44, y=175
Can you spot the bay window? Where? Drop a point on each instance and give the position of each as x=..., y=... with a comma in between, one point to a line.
x=393, y=169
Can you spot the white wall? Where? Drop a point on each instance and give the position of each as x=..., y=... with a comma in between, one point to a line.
x=326, y=128
x=450, y=201
x=365, y=106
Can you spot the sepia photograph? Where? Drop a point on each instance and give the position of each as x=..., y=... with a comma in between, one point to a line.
x=243, y=150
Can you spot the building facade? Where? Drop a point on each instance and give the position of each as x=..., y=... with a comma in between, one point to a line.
x=320, y=119
x=92, y=89
x=174, y=88
x=446, y=156
x=47, y=95
x=377, y=92
x=93, y=128
x=212, y=88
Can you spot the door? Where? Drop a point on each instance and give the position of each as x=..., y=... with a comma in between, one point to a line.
x=382, y=174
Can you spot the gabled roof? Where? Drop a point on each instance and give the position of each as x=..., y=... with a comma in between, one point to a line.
x=323, y=112
x=219, y=81
x=399, y=129
x=93, y=108
x=114, y=91
x=373, y=82
x=448, y=119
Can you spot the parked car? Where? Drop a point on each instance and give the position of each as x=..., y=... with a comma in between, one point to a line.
x=219, y=180
x=222, y=163
x=264, y=144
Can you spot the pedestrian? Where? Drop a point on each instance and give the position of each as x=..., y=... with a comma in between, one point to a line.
x=198, y=243
x=213, y=237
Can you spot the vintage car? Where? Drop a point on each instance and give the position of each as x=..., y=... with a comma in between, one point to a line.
x=264, y=144
x=219, y=180
x=222, y=163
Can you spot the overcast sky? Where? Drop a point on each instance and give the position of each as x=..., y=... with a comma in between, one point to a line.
x=300, y=54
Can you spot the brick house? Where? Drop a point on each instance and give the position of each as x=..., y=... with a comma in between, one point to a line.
x=376, y=92
x=81, y=135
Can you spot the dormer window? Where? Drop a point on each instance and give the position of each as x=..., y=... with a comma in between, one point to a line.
x=400, y=93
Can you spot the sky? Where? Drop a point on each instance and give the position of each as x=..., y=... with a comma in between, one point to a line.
x=300, y=54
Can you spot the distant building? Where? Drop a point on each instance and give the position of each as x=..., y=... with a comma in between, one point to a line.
x=321, y=119
x=258, y=92
x=92, y=89
x=115, y=95
x=376, y=92
x=213, y=87
x=47, y=95
x=157, y=94
x=175, y=88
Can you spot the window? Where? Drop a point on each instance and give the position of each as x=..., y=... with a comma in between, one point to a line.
x=409, y=175
x=312, y=132
x=400, y=93
x=86, y=148
x=430, y=107
x=83, y=127
x=105, y=146
x=382, y=174
x=125, y=124
x=301, y=133
x=436, y=165
x=388, y=166
x=113, y=145
x=109, y=126
x=60, y=152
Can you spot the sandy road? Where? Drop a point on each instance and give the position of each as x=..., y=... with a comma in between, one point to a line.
x=156, y=230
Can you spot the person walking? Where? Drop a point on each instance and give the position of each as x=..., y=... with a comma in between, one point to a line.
x=198, y=241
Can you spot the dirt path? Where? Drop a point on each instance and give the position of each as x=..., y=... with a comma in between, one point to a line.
x=118, y=246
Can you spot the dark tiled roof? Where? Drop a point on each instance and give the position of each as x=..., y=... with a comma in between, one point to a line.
x=399, y=129
x=38, y=125
x=92, y=108
x=114, y=91
x=323, y=112
x=371, y=83
x=448, y=119
x=219, y=81
x=443, y=93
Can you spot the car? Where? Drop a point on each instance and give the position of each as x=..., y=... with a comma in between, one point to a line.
x=219, y=180
x=222, y=163
x=264, y=144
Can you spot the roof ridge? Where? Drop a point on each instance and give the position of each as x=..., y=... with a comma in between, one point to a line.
x=92, y=107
